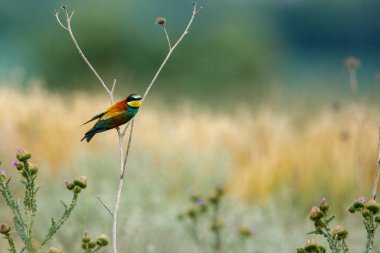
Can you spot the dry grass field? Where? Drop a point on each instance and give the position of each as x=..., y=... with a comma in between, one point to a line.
x=267, y=159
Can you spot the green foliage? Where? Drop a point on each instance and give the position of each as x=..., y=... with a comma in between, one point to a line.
x=90, y=245
x=208, y=208
x=336, y=237
x=368, y=210
x=23, y=223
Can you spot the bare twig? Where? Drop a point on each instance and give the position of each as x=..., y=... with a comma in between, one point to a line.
x=127, y=152
x=375, y=183
x=167, y=38
x=123, y=164
x=105, y=206
x=68, y=28
x=121, y=133
x=195, y=11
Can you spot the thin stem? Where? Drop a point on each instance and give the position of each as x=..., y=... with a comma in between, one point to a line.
x=186, y=31
x=375, y=183
x=118, y=194
x=68, y=28
x=105, y=206
x=123, y=164
x=96, y=249
x=12, y=247
x=55, y=226
x=128, y=148
x=125, y=129
x=167, y=38
x=217, y=236
x=30, y=204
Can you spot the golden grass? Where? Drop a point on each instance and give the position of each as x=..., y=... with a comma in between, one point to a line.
x=332, y=152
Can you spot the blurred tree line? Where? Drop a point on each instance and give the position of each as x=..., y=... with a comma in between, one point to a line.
x=238, y=48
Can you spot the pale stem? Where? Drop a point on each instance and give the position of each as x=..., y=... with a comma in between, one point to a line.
x=105, y=206
x=121, y=134
x=375, y=183
x=123, y=163
x=167, y=38
x=68, y=28
x=186, y=31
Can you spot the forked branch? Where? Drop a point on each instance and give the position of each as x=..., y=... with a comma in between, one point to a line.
x=68, y=28
x=110, y=92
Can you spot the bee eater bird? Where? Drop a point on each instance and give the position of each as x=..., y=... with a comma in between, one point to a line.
x=114, y=116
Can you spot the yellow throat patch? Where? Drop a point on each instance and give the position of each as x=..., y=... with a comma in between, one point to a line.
x=135, y=103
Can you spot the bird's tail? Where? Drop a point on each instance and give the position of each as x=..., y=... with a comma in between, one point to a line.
x=88, y=136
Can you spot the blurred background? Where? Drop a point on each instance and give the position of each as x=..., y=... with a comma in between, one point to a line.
x=276, y=100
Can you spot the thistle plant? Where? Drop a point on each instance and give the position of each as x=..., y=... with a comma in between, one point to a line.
x=206, y=210
x=335, y=237
x=90, y=245
x=371, y=219
x=23, y=221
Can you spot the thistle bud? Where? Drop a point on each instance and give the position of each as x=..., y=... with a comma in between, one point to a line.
x=358, y=205
x=217, y=225
x=366, y=213
x=70, y=186
x=22, y=155
x=54, y=250
x=92, y=244
x=102, y=240
x=315, y=213
x=321, y=249
x=192, y=213
x=324, y=207
x=201, y=203
x=161, y=21
x=33, y=169
x=81, y=182
x=373, y=206
x=339, y=232
x=2, y=174
x=213, y=199
x=77, y=189
x=4, y=229
x=245, y=231
x=311, y=246
x=352, y=209
x=86, y=239
x=219, y=190
x=19, y=166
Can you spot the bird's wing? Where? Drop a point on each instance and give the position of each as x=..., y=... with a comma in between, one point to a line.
x=112, y=111
x=97, y=116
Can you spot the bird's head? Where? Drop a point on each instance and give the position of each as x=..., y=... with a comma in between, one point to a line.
x=134, y=101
